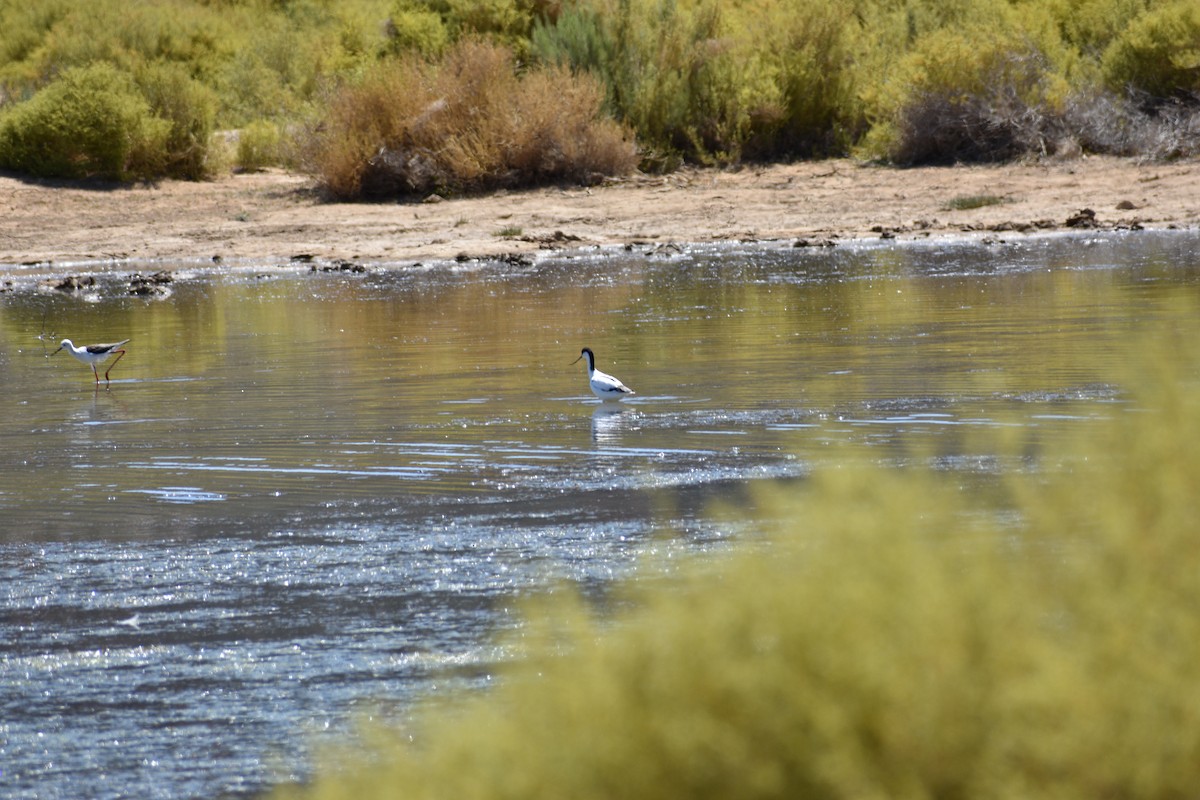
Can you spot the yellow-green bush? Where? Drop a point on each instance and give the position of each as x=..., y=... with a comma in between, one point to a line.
x=809, y=52
x=428, y=26
x=976, y=93
x=24, y=26
x=90, y=122
x=712, y=82
x=99, y=121
x=894, y=637
x=279, y=71
x=259, y=146
x=667, y=68
x=190, y=108
x=131, y=35
x=1158, y=53
x=1091, y=25
x=466, y=123
x=262, y=58
x=198, y=64
x=414, y=27
x=685, y=81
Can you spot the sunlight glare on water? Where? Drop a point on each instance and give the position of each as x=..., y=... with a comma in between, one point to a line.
x=306, y=497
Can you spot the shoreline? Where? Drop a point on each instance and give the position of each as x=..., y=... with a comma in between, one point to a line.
x=274, y=218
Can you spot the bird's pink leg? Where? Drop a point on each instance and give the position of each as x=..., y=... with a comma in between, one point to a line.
x=120, y=354
x=97, y=374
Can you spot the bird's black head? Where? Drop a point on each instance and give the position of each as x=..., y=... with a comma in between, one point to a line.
x=586, y=352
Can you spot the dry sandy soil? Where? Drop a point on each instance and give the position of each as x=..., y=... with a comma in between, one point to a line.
x=276, y=216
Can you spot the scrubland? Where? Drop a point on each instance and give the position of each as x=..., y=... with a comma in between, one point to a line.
x=407, y=97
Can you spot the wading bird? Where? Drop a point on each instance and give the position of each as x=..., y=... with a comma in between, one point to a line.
x=93, y=354
x=604, y=386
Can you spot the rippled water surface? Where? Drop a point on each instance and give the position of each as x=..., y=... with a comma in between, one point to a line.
x=308, y=495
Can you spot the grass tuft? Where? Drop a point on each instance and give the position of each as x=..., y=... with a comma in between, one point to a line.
x=972, y=201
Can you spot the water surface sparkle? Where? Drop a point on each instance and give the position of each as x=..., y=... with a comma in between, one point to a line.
x=319, y=496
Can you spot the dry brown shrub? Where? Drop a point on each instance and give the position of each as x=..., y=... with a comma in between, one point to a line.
x=561, y=135
x=467, y=123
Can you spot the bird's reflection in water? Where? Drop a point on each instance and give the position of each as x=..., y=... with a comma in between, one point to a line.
x=609, y=422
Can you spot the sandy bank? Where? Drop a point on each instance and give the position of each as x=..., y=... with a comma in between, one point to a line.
x=275, y=215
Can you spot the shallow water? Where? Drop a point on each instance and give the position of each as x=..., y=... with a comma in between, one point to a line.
x=307, y=496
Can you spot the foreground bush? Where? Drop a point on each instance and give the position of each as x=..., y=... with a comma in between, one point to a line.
x=465, y=123
x=897, y=639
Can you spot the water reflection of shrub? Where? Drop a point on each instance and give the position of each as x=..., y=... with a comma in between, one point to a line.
x=896, y=639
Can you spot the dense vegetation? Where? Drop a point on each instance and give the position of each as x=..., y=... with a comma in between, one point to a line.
x=893, y=637
x=329, y=86
x=467, y=122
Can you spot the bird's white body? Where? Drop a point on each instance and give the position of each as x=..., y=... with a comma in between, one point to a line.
x=93, y=354
x=603, y=385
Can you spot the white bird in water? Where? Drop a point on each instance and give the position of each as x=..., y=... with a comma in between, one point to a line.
x=604, y=386
x=93, y=354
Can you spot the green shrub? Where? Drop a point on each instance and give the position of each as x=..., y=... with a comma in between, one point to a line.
x=578, y=38
x=1158, y=53
x=1092, y=25
x=273, y=76
x=191, y=110
x=716, y=83
x=978, y=94
x=66, y=33
x=251, y=89
x=466, y=123
x=259, y=146
x=25, y=26
x=90, y=122
x=428, y=26
x=413, y=27
x=506, y=22
x=99, y=121
x=895, y=637
x=690, y=97
x=263, y=59
x=671, y=72
x=808, y=50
